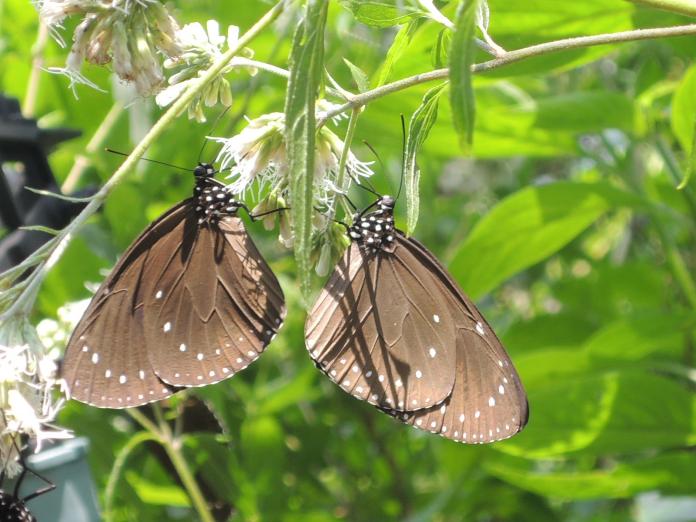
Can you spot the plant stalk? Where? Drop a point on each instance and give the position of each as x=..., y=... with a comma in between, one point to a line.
x=510, y=57
x=687, y=7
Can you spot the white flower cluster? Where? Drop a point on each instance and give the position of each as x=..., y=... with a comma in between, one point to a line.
x=258, y=155
x=199, y=49
x=28, y=380
x=130, y=34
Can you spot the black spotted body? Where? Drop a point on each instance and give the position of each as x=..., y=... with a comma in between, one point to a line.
x=375, y=230
x=13, y=509
x=213, y=199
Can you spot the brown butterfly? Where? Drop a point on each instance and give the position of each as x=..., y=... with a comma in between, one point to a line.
x=392, y=328
x=190, y=303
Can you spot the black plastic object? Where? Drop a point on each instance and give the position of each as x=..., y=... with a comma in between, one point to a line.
x=24, y=148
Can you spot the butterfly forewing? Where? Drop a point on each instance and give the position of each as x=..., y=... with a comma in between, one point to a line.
x=380, y=334
x=106, y=362
x=190, y=303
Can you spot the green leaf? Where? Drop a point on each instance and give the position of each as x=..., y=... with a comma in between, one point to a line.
x=56, y=195
x=462, y=52
x=41, y=228
x=530, y=226
x=617, y=412
x=359, y=77
x=158, y=494
x=684, y=110
x=671, y=473
x=380, y=14
x=396, y=50
x=691, y=161
x=419, y=127
x=306, y=68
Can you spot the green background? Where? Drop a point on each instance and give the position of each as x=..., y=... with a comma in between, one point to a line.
x=564, y=224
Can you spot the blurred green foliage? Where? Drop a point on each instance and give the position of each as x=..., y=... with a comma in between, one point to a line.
x=565, y=225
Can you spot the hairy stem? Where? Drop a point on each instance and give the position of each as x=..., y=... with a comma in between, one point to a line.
x=511, y=57
x=24, y=303
x=687, y=7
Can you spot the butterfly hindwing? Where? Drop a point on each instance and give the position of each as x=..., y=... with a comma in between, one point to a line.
x=219, y=315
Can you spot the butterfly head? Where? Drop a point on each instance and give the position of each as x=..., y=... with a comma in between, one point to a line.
x=204, y=170
x=375, y=230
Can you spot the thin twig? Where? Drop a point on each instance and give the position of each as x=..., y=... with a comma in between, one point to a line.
x=82, y=161
x=37, y=51
x=687, y=7
x=511, y=57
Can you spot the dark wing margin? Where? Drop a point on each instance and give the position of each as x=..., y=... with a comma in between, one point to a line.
x=380, y=331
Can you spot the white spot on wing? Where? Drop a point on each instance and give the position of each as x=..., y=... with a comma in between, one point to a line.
x=95, y=358
x=501, y=389
x=432, y=352
x=167, y=326
x=436, y=318
x=491, y=401
x=122, y=379
x=479, y=329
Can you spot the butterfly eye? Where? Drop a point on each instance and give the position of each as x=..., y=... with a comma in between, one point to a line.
x=200, y=171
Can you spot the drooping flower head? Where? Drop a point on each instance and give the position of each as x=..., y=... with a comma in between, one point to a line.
x=257, y=157
x=130, y=34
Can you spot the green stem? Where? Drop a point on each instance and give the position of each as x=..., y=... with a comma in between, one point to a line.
x=172, y=446
x=24, y=303
x=117, y=469
x=82, y=161
x=37, y=51
x=510, y=57
x=350, y=133
x=687, y=7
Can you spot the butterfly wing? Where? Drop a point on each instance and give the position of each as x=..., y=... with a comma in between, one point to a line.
x=381, y=331
x=215, y=305
x=106, y=363
x=488, y=402
x=220, y=300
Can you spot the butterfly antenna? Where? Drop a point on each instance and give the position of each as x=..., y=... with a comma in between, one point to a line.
x=403, y=155
x=112, y=151
x=212, y=129
x=370, y=187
